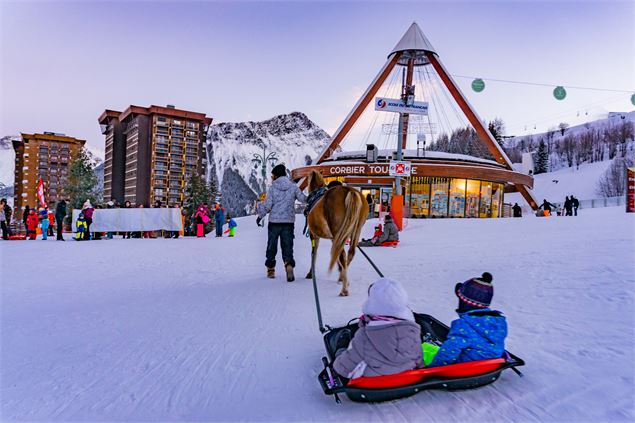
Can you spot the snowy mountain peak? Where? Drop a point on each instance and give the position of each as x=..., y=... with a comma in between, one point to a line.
x=234, y=150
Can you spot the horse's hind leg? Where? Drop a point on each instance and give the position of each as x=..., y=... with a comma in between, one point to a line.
x=343, y=274
x=314, y=246
x=344, y=279
x=341, y=262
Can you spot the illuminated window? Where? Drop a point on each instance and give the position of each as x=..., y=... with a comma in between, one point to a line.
x=471, y=198
x=457, y=198
x=439, y=197
x=486, y=200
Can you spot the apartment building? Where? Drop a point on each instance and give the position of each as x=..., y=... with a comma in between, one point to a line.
x=151, y=152
x=47, y=156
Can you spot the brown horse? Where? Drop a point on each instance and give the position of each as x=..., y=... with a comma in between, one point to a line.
x=339, y=215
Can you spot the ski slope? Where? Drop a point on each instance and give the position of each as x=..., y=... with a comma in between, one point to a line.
x=191, y=330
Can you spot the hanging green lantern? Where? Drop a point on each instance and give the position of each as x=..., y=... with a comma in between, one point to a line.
x=633, y=99
x=478, y=85
x=559, y=92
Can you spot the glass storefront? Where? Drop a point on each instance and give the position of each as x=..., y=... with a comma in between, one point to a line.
x=438, y=197
x=453, y=197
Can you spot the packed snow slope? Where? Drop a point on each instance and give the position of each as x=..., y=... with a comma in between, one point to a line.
x=580, y=182
x=191, y=330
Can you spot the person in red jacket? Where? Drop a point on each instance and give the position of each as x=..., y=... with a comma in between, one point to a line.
x=31, y=224
x=51, y=222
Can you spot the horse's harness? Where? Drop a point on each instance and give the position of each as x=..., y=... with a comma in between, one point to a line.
x=311, y=201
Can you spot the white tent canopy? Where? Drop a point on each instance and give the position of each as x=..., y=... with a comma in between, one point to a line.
x=133, y=220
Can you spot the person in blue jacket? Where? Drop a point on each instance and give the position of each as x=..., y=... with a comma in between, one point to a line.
x=232, y=226
x=219, y=219
x=479, y=332
x=44, y=221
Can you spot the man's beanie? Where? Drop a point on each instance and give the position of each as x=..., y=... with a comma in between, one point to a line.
x=279, y=170
x=475, y=293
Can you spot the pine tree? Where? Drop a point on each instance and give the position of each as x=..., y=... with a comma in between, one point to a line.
x=542, y=159
x=497, y=129
x=82, y=182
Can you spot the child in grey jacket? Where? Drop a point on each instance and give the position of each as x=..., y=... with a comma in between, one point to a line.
x=388, y=340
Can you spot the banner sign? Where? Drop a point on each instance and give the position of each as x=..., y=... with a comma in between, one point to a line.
x=383, y=104
x=133, y=220
x=40, y=193
x=630, y=190
x=397, y=168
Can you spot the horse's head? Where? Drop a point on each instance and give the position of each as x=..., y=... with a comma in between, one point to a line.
x=316, y=181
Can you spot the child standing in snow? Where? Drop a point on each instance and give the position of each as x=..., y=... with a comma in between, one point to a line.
x=232, y=225
x=479, y=332
x=31, y=224
x=388, y=340
x=44, y=222
x=82, y=228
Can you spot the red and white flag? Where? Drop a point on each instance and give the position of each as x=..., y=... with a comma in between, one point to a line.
x=40, y=193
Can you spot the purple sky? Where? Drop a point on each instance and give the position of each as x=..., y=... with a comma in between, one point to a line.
x=63, y=63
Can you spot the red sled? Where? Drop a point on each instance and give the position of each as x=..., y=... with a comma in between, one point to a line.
x=17, y=237
x=389, y=244
x=467, y=375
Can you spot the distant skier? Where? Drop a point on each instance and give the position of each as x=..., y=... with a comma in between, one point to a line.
x=518, y=211
x=568, y=207
x=575, y=203
x=546, y=206
x=479, y=333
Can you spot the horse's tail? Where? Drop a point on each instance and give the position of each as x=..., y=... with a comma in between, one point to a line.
x=349, y=228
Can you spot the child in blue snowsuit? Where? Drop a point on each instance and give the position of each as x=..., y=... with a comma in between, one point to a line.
x=479, y=332
x=232, y=226
x=44, y=222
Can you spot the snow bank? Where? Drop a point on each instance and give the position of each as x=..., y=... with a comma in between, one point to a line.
x=190, y=329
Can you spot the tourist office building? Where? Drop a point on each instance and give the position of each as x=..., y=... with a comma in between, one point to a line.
x=151, y=152
x=440, y=185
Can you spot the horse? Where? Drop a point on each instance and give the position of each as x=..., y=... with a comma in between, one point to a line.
x=339, y=215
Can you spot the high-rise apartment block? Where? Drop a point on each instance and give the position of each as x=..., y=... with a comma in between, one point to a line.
x=151, y=152
x=46, y=156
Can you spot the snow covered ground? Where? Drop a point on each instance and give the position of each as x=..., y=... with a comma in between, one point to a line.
x=190, y=329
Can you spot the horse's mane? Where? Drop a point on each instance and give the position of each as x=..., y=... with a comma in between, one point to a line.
x=315, y=181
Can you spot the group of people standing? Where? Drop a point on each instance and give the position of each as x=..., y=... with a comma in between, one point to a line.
x=204, y=215
x=32, y=218
x=571, y=205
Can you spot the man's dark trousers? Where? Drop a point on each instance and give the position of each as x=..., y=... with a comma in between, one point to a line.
x=284, y=231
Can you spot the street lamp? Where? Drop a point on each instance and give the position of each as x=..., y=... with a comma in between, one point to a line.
x=261, y=160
